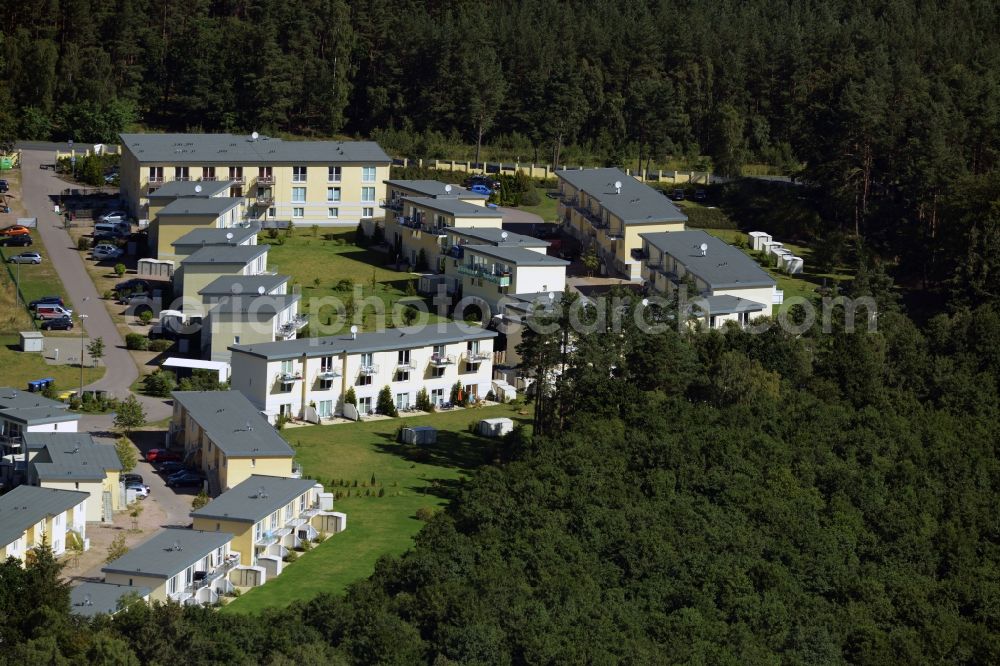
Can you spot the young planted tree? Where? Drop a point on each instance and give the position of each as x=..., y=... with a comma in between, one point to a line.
x=351, y=398
x=130, y=415
x=96, y=350
x=385, y=404
x=116, y=549
x=127, y=454
x=424, y=401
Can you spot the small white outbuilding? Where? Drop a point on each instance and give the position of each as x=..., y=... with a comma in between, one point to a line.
x=496, y=427
x=418, y=435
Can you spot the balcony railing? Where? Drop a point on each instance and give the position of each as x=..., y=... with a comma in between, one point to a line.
x=289, y=377
x=265, y=180
x=328, y=375
x=393, y=204
x=236, y=180
x=182, y=178
x=155, y=179
x=441, y=360
x=475, y=356
x=209, y=178
x=293, y=325
x=502, y=279
x=231, y=562
x=406, y=366
x=264, y=199
x=369, y=369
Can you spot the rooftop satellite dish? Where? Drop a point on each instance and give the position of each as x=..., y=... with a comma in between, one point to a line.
x=552, y=296
x=229, y=236
x=645, y=302
x=255, y=136
x=704, y=249
x=447, y=189
x=618, y=187
x=261, y=290
x=197, y=188
x=354, y=332
x=503, y=235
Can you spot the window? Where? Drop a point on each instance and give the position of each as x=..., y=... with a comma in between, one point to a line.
x=302, y=502
x=271, y=212
x=274, y=521
x=437, y=372
x=333, y=174
x=253, y=462
x=326, y=364
x=333, y=213
x=298, y=174
x=324, y=409
x=265, y=174
x=367, y=212
x=180, y=173
x=403, y=357
x=365, y=405
x=367, y=360
x=299, y=194
x=298, y=212
x=402, y=401
x=368, y=194
x=171, y=585
x=208, y=173
x=288, y=512
x=333, y=194
x=156, y=174
x=236, y=339
x=258, y=531
x=236, y=173
x=287, y=366
x=368, y=174
x=437, y=397
x=402, y=375
x=364, y=380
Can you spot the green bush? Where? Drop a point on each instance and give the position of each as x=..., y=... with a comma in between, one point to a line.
x=425, y=513
x=159, y=384
x=83, y=243
x=708, y=218
x=291, y=556
x=136, y=342
x=146, y=315
x=530, y=197
x=160, y=345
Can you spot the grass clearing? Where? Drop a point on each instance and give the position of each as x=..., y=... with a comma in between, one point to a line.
x=19, y=367
x=547, y=208
x=318, y=259
x=412, y=477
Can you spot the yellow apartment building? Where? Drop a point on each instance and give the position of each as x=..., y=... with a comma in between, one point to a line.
x=423, y=223
x=184, y=215
x=397, y=190
x=226, y=437
x=609, y=208
x=266, y=514
x=179, y=189
x=307, y=182
x=30, y=515
x=211, y=262
x=74, y=461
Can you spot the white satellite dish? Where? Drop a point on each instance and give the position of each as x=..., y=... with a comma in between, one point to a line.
x=704, y=249
x=354, y=332
x=255, y=136
x=229, y=236
x=261, y=290
x=503, y=235
x=447, y=189
x=645, y=302
x=618, y=187
x=552, y=295
x=197, y=188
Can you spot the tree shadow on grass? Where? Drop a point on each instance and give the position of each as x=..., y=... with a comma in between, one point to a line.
x=458, y=450
x=145, y=440
x=446, y=489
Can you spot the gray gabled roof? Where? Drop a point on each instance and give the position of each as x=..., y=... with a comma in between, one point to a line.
x=29, y=408
x=722, y=267
x=225, y=254
x=233, y=424
x=216, y=236
x=435, y=188
x=11, y=398
x=71, y=456
x=254, y=499
x=246, y=285
x=169, y=552
x=387, y=340
x=492, y=236
x=516, y=256
x=91, y=598
x=176, y=189
x=637, y=203
x=26, y=505
x=726, y=304
x=234, y=149
x=199, y=206
x=454, y=207
x=262, y=307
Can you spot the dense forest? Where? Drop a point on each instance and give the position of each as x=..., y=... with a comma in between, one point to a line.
x=709, y=497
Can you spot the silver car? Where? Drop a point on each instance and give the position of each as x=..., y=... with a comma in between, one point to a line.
x=26, y=258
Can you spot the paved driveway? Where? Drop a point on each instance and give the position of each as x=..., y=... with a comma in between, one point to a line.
x=38, y=186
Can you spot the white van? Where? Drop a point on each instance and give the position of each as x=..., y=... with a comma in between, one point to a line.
x=51, y=311
x=108, y=229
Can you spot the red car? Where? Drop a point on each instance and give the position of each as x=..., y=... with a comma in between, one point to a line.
x=161, y=455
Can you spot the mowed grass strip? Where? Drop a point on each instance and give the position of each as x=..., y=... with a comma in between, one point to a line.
x=19, y=367
x=326, y=264
x=411, y=477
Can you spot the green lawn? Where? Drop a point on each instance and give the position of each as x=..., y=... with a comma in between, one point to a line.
x=19, y=368
x=803, y=285
x=317, y=260
x=546, y=209
x=35, y=280
x=412, y=477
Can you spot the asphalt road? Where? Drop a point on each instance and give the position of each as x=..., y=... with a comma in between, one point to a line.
x=38, y=186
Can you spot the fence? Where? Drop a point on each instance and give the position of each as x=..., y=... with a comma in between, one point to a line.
x=547, y=171
x=20, y=294
x=86, y=151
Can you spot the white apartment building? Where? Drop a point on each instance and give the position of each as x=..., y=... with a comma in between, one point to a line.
x=308, y=378
x=492, y=273
x=30, y=515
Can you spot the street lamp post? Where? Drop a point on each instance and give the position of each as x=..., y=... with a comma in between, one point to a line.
x=82, y=317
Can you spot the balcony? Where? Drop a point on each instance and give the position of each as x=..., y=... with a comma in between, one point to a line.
x=472, y=270
x=328, y=375
x=232, y=561
x=155, y=180
x=442, y=360
x=264, y=200
x=406, y=366
x=289, y=377
x=266, y=179
x=209, y=178
x=182, y=178
x=476, y=356
x=393, y=204
x=293, y=326
x=369, y=369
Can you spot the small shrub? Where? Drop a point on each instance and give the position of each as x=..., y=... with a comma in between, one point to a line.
x=136, y=342
x=708, y=218
x=108, y=295
x=306, y=546
x=159, y=383
x=291, y=556
x=146, y=316
x=160, y=345
x=381, y=492
x=120, y=269
x=530, y=197
x=425, y=513
x=83, y=243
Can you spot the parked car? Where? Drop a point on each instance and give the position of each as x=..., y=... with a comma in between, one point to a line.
x=481, y=189
x=52, y=311
x=45, y=300
x=185, y=479
x=162, y=455
x=58, y=324
x=131, y=478
x=482, y=179
x=141, y=491
x=104, y=252
x=15, y=230
x=677, y=195
x=132, y=286
x=4, y=186
x=113, y=216
x=26, y=258
x=701, y=195
x=169, y=467
x=16, y=241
